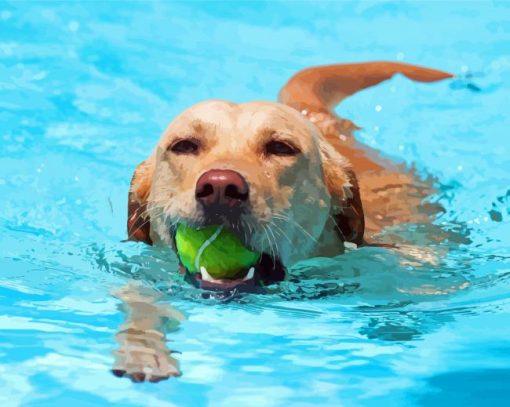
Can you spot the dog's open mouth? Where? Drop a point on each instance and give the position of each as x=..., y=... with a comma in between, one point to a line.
x=206, y=281
x=265, y=272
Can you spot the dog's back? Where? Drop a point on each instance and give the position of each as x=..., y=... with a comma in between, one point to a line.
x=390, y=194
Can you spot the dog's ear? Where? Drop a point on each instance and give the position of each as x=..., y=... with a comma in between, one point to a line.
x=351, y=220
x=342, y=184
x=138, y=221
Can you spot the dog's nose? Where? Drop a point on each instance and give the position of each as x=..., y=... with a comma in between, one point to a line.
x=223, y=187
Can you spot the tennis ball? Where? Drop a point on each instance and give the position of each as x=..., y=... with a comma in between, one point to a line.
x=221, y=253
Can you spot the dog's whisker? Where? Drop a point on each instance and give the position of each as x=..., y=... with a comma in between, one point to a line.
x=271, y=254
x=337, y=228
x=244, y=229
x=282, y=233
x=141, y=214
x=274, y=239
x=288, y=219
x=132, y=234
x=146, y=215
x=249, y=226
x=271, y=249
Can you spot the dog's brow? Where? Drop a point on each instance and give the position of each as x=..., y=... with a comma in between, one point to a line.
x=270, y=132
x=200, y=127
x=287, y=137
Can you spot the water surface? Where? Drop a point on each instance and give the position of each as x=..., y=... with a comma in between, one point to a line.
x=86, y=89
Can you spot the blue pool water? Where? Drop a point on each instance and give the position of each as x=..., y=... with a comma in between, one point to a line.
x=86, y=89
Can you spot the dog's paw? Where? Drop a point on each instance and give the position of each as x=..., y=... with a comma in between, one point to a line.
x=145, y=365
x=144, y=357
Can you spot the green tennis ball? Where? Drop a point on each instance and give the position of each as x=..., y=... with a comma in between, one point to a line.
x=221, y=253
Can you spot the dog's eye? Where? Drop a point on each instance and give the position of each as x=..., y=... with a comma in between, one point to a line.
x=186, y=146
x=280, y=148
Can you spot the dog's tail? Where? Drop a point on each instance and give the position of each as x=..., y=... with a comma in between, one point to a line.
x=321, y=88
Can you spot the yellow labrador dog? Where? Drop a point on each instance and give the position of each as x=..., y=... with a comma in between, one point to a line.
x=288, y=177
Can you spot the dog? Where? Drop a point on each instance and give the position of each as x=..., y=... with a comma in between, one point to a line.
x=287, y=177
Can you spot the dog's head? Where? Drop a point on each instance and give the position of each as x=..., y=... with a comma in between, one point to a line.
x=262, y=169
